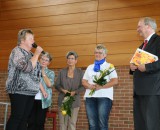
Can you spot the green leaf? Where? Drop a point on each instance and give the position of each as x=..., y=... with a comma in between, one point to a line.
x=67, y=103
x=100, y=80
x=92, y=92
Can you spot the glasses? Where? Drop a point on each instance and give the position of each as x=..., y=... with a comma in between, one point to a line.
x=46, y=60
x=98, y=52
x=70, y=58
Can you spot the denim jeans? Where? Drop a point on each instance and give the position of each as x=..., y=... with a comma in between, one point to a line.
x=98, y=110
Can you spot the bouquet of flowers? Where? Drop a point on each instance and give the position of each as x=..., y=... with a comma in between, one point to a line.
x=100, y=80
x=67, y=104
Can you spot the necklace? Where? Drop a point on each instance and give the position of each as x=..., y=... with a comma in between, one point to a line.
x=70, y=74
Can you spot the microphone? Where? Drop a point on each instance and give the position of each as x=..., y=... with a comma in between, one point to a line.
x=34, y=45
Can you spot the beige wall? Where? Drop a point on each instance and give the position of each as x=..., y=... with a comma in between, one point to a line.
x=63, y=25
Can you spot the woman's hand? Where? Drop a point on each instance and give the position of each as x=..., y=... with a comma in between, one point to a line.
x=45, y=94
x=91, y=86
x=65, y=91
x=98, y=87
x=73, y=93
x=38, y=50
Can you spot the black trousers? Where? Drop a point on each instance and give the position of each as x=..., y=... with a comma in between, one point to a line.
x=21, y=106
x=37, y=117
x=147, y=112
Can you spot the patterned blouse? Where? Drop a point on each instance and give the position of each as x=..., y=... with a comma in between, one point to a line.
x=46, y=102
x=22, y=78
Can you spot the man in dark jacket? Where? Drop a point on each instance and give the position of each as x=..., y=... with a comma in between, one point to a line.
x=146, y=80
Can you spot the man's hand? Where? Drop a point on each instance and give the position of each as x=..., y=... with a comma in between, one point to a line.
x=133, y=67
x=142, y=68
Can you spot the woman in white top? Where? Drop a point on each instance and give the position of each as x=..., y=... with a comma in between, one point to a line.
x=43, y=98
x=98, y=105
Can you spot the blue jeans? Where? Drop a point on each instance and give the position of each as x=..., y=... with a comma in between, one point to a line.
x=98, y=110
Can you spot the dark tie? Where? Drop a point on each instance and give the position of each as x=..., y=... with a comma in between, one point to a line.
x=144, y=45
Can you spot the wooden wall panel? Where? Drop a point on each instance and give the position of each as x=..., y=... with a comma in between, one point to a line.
x=116, y=36
x=116, y=55
x=3, y=64
x=83, y=61
x=111, y=4
x=121, y=24
x=49, y=21
x=20, y=4
x=86, y=60
x=6, y=44
x=114, y=25
x=53, y=41
x=8, y=34
x=50, y=10
x=53, y=30
x=5, y=54
x=120, y=59
x=128, y=47
x=65, y=29
x=82, y=50
x=63, y=25
x=70, y=40
x=0, y=9
x=130, y=12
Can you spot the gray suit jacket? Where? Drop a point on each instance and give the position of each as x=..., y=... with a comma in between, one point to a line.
x=75, y=84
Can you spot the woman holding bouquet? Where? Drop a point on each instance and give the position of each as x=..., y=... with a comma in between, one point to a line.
x=99, y=79
x=69, y=82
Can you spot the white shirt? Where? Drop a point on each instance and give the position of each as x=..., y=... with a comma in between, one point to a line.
x=89, y=76
x=38, y=95
x=149, y=37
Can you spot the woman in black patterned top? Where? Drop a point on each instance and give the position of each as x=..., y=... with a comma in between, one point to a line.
x=23, y=81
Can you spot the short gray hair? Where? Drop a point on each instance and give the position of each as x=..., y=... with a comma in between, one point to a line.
x=101, y=46
x=49, y=56
x=22, y=35
x=151, y=22
x=72, y=53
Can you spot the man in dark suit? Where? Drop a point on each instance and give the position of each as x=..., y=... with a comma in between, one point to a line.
x=146, y=80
